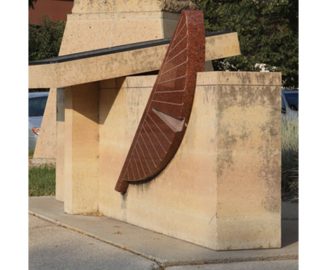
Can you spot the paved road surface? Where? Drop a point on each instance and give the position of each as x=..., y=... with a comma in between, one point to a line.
x=52, y=247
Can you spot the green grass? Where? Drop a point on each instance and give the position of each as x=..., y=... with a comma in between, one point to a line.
x=290, y=149
x=41, y=181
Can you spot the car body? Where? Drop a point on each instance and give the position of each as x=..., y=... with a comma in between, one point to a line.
x=290, y=102
x=36, y=106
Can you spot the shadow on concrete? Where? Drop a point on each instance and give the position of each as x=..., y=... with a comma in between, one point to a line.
x=290, y=223
x=107, y=99
x=164, y=249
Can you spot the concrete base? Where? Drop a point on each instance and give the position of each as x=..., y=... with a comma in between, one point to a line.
x=221, y=190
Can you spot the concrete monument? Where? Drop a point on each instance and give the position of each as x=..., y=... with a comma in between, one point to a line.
x=221, y=188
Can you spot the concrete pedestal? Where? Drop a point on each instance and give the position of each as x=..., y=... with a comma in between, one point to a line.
x=221, y=190
x=81, y=149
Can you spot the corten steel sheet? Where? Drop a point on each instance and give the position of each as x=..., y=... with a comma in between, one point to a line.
x=163, y=124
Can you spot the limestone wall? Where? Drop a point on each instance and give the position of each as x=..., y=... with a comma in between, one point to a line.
x=90, y=31
x=222, y=189
x=45, y=149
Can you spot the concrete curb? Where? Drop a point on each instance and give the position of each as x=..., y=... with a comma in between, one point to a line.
x=151, y=245
x=76, y=229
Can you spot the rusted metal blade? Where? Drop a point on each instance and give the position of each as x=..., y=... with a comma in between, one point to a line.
x=163, y=124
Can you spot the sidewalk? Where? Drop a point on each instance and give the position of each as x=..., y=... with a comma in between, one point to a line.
x=151, y=250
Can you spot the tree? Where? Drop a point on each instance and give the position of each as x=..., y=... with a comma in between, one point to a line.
x=267, y=30
x=45, y=39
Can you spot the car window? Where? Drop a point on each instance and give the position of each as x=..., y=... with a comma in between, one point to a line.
x=292, y=100
x=37, y=106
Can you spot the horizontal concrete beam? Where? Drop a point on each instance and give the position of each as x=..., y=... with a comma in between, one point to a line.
x=120, y=64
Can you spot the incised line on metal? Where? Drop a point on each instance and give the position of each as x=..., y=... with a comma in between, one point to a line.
x=164, y=121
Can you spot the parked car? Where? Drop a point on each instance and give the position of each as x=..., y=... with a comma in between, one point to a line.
x=36, y=107
x=290, y=102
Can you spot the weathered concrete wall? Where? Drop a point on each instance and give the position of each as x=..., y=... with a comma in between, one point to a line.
x=92, y=31
x=248, y=158
x=81, y=6
x=45, y=149
x=222, y=189
x=81, y=149
x=60, y=144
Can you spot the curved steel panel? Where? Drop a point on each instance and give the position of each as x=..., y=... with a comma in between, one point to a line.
x=164, y=121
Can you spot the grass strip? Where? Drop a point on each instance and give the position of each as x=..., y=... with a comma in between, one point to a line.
x=42, y=181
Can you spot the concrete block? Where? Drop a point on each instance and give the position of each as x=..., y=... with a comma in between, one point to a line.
x=60, y=144
x=222, y=189
x=90, y=31
x=45, y=149
x=81, y=152
x=120, y=64
x=82, y=6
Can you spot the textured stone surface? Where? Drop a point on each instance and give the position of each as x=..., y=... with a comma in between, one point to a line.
x=60, y=142
x=45, y=148
x=91, y=31
x=115, y=65
x=81, y=6
x=81, y=152
x=222, y=189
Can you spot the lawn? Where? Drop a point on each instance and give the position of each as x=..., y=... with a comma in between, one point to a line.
x=42, y=180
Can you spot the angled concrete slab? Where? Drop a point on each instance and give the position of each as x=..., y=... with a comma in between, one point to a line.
x=114, y=65
x=165, y=250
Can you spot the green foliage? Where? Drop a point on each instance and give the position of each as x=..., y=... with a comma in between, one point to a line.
x=42, y=181
x=267, y=30
x=45, y=39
